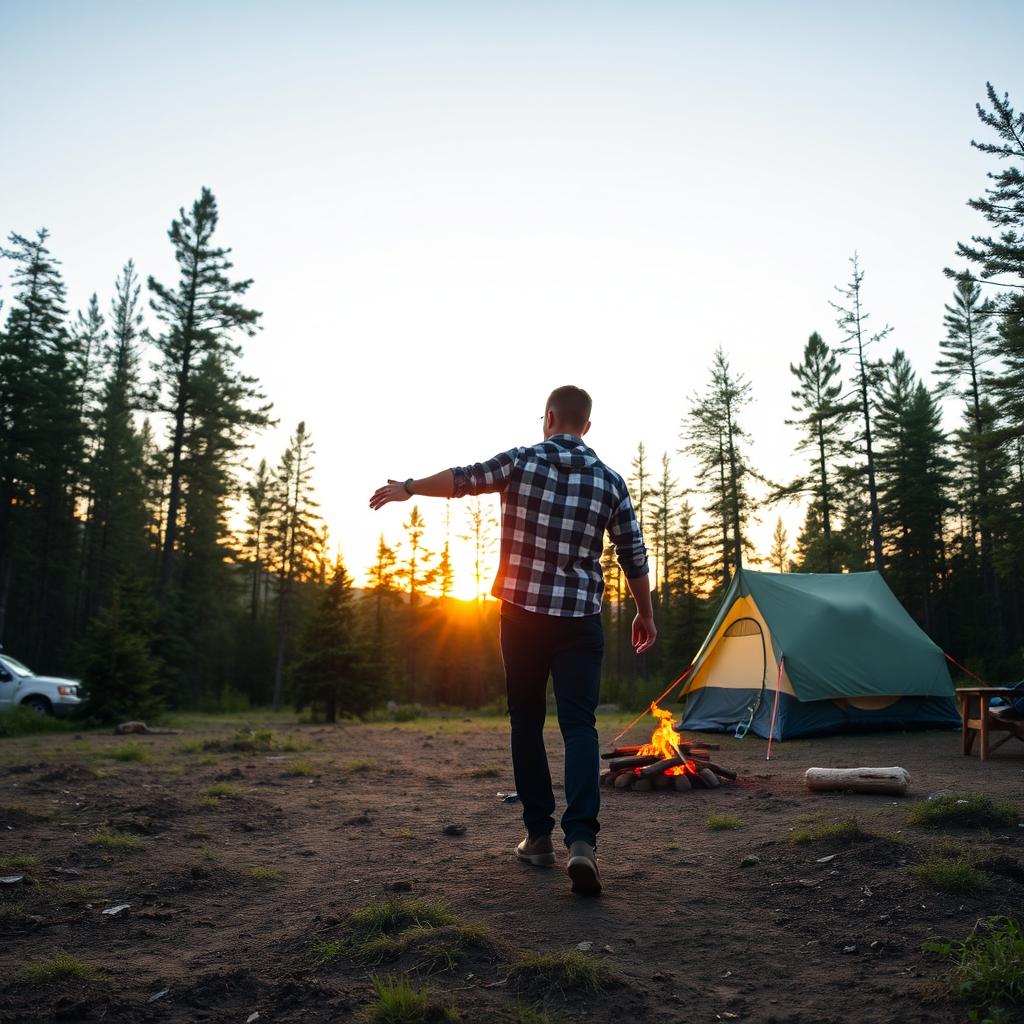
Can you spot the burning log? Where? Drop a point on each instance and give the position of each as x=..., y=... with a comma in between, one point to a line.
x=709, y=778
x=619, y=752
x=624, y=780
x=635, y=761
x=681, y=783
x=660, y=767
x=726, y=773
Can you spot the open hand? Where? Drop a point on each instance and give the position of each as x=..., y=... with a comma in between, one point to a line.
x=644, y=633
x=393, y=490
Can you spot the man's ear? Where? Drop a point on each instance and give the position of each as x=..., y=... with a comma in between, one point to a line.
x=585, y=428
x=549, y=419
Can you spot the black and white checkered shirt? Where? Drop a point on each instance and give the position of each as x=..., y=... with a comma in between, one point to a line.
x=557, y=500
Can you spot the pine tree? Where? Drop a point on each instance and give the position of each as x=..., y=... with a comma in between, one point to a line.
x=640, y=483
x=823, y=417
x=714, y=437
x=481, y=529
x=115, y=532
x=258, y=495
x=416, y=572
x=852, y=321
x=912, y=473
x=334, y=671
x=778, y=557
x=293, y=532
x=664, y=498
x=201, y=315
x=119, y=670
x=41, y=453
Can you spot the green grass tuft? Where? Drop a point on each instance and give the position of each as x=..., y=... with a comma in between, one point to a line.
x=131, y=751
x=956, y=875
x=569, y=970
x=398, y=1002
x=486, y=771
x=19, y=862
x=721, y=822
x=531, y=1015
x=114, y=840
x=971, y=810
x=847, y=831
x=361, y=764
x=191, y=747
x=22, y=721
x=264, y=875
x=987, y=966
x=253, y=741
x=219, y=790
x=304, y=768
x=55, y=967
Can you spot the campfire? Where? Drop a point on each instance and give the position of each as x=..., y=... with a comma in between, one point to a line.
x=666, y=762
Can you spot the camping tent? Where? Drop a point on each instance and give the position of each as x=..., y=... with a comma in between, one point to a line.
x=828, y=652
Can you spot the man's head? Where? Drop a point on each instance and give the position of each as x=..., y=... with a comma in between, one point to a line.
x=567, y=412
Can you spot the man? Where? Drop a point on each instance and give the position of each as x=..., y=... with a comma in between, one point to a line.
x=557, y=501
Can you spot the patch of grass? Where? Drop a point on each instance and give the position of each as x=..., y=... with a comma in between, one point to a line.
x=220, y=790
x=957, y=874
x=360, y=764
x=22, y=721
x=19, y=862
x=264, y=875
x=132, y=751
x=568, y=970
x=486, y=771
x=69, y=893
x=970, y=810
x=397, y=1002
x=406, y=833
x=56, y=967
x=304, y=768
x=14, y=915
x=111, y=839
x=254, y=741
x=987, y=966
x=721, y=822
x=531, y=1015
x=847, y=831
x=190, y=747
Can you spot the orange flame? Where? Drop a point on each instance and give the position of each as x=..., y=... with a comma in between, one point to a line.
x=664, y=743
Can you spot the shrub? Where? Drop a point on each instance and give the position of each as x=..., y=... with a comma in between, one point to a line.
x=987, y=966
x=970, y=810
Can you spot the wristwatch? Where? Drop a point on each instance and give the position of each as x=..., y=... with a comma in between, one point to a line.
x=407, y=484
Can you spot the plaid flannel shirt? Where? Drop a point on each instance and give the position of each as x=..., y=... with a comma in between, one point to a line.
x=557, y=500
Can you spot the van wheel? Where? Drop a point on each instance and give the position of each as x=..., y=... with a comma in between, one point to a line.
x=38, y=704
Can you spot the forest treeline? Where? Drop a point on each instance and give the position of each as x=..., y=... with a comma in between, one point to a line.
x=141, y=550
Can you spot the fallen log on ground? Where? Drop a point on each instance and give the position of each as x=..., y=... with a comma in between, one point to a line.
x=889, y=781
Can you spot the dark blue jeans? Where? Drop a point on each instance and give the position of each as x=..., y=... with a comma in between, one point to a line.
x=534, y=646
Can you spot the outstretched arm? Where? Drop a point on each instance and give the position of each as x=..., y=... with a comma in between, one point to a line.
x=440, y=485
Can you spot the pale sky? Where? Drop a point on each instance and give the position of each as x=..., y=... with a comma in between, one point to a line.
x=450, y=208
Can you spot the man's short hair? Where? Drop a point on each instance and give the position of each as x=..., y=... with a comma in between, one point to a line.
x=571, y=406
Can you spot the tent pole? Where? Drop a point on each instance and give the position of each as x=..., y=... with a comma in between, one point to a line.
x=775, y=707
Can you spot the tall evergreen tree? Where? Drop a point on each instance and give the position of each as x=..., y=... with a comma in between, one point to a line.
x=41, y=452
x=851, y=320
x=333, y=671
x=293, y=533
x=259, y=495
x=201, y=314
x=481, y=530
x=823, y=417
x=115, y=532
x=714, y=437
x=912, y=473
x=665, y=497
x=640, y=483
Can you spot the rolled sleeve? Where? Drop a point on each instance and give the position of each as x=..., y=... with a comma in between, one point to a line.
x=630, y=550
x=485, y=477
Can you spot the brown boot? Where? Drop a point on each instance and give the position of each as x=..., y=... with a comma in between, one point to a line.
x=537, y=850
x=582, y=868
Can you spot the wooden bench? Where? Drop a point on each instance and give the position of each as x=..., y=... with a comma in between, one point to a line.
x=980, y=722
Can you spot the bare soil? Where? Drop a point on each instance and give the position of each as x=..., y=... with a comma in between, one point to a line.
x=690, y=935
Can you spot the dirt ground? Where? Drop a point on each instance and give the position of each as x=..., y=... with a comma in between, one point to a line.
x=229, y=890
